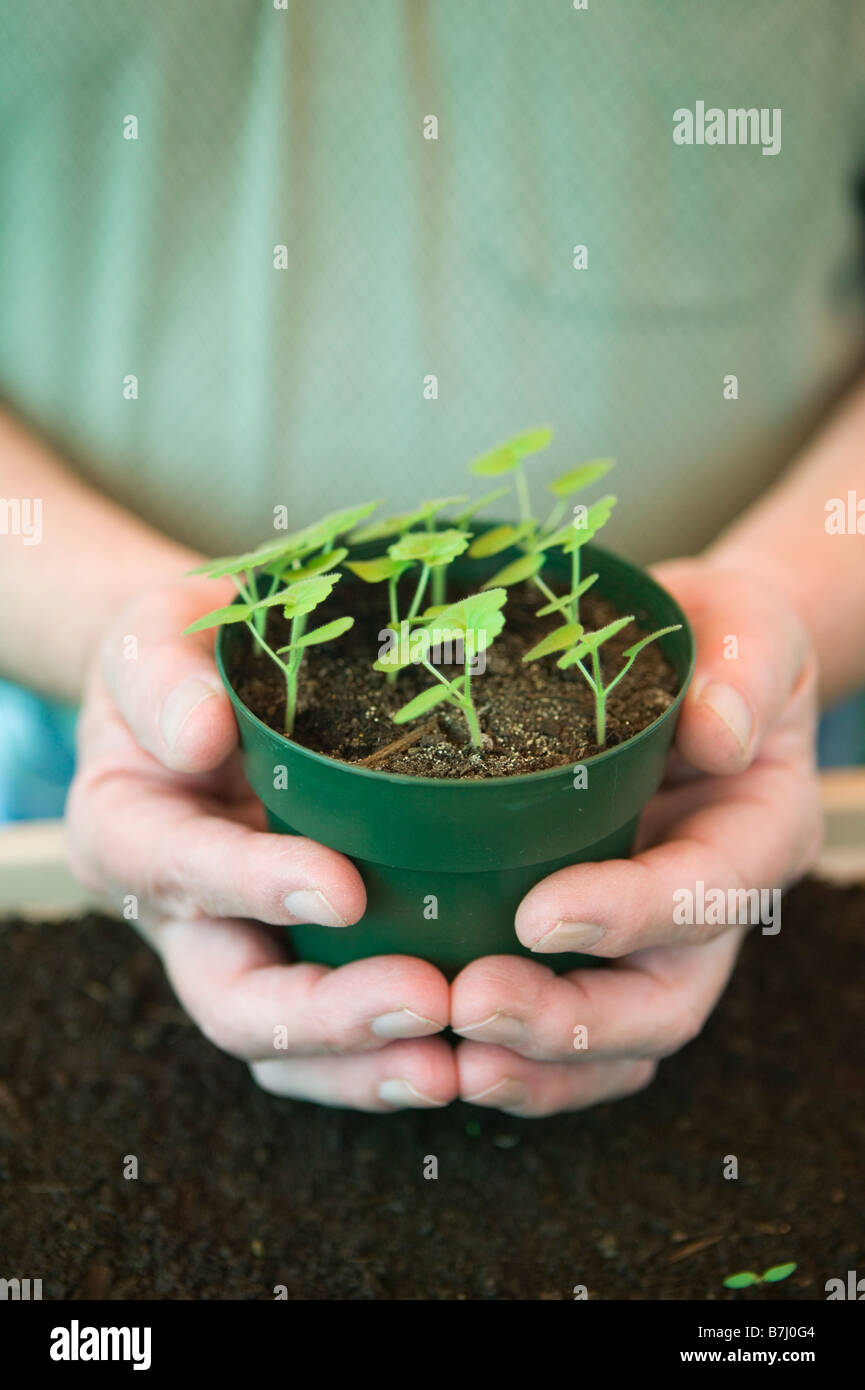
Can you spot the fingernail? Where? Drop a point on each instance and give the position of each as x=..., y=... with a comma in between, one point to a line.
x=179, y=703
x=570, y=936
x=498, y=1028
x=731, y=708
x=310, y=905
x=402, y=1023
x=398, y=1092
x=507, y=1094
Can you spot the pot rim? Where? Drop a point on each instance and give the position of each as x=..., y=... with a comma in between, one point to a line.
x=405, y=780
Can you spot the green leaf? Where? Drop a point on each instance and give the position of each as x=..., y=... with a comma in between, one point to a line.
x=305, y=595
x=234, y=613
x=779, y=1272
x=430, y=547
x=560, y=537
x=572, y=537
x=652, y=637
x=499, y=460
x=324, y=532
x=567, y=599
x=554, y=641
x=412, y=648
x=505, y=457
x=476, y=613
x=480, y=503
x=268, y=553
x=293, y=545
x=498, y=539
x=516, y=571
x=532, y=441
x=741, y=1281
x=404, y=521
x=433, y=612
x=380, y=530
x=426, y=510
x=591, y=641
x=579, y=477
x=326, y=633
x=427, y=700
x=325, y=561
x=377, y=570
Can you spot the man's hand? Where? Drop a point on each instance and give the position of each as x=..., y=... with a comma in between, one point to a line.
x=160, y=811
x=740, y=810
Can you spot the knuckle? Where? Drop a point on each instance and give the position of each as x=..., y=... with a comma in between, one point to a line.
x=683, y=1027
x=221, y=1031
x=642, y=1076
x=78, y=856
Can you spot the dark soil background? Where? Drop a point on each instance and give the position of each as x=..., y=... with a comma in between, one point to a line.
x=239, y=1192
x=533, y=716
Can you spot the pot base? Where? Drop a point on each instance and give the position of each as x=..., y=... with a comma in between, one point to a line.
x=447, y=919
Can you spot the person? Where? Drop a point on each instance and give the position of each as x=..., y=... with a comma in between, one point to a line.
x=262, y=254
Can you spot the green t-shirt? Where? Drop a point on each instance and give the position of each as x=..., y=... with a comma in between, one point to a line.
x=408, y=258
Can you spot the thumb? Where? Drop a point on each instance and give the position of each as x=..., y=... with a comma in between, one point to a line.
x=166, y=685
x=752, y=649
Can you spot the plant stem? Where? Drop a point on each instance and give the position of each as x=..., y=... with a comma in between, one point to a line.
x=600, y=700
x=291, y=670
x=438, y=577
x=544, y=588
x=245, y=590
x=575, y=583
x=393, y=610
x=469, y=710
x=554, y=518
x=259, y=617
x=443, y=680
x=263, y=645
x=624, y=671
x=419, y=592
x=438, y=583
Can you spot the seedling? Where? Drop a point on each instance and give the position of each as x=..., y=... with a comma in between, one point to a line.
x=387, y=526
x=297, y=572
x=581, y=644
x=430, y=549
x=286, y=559
x=772, y=1276
x=528, y=534
x=425, y=515
x=570, y=539
x=474, y=622
x=298, y=600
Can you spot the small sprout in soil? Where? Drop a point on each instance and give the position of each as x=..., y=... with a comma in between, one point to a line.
x=581, y=644
x=772, y=1276
x=535, y=539
x=570, y=539
x=432, y=550
x=296, y=555
x=300, y=598
x=298, y=572
x=425, y=515
x=471, y=625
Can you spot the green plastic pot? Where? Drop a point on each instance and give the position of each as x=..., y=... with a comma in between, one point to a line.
x=446, y=862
